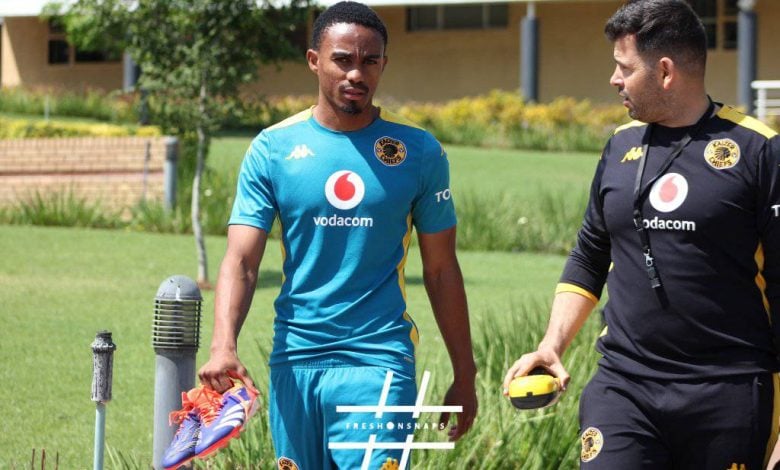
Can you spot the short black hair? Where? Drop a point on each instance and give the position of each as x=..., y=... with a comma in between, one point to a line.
x=350, y=13
x=663, y=28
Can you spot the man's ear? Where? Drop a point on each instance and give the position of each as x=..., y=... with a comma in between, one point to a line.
x=312, y=58
x=667, y=71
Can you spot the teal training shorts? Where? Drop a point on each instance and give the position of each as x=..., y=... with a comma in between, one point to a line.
x=304, y=420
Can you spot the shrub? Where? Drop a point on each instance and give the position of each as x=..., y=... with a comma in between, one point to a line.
x=504, y=119
x=94, y=104
x=27, y=128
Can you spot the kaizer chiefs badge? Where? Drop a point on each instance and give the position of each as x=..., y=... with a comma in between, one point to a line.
x=592, y=441
x=391, y=152
x=722, y=153
x=286, y=464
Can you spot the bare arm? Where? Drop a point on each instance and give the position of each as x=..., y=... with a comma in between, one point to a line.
x=233, y=297
x=774, y=459
x=569, y=312
x=444, y=284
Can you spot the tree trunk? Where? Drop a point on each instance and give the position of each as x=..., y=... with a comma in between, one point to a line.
x=197, y=229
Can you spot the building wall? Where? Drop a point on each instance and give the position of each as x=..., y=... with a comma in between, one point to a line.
x=292, y=78
x=25, y=61
x=768, y=59
x=427, y=65
x=438, y=65
x=574, y=58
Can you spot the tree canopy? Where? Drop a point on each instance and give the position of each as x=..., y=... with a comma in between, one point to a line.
x=193, y=55
x=178, y=42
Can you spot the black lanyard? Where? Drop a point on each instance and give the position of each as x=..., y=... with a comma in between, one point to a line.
x=641, y=193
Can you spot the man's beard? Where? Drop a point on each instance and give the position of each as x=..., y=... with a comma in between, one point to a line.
x=351, y=108
x=649, y=103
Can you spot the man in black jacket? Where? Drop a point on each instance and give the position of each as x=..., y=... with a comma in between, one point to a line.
x=683, y=225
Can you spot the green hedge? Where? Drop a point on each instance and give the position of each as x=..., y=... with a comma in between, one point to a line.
x=496, y=119
x=505, y=119
x=30, y=128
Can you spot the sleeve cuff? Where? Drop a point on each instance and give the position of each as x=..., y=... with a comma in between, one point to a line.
x=566, y=287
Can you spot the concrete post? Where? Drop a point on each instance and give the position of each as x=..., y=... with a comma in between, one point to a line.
x=130, y=73
x=529, y=54
x=169, y=172
x=176, y=338
x=746, y=46
x=102, y=374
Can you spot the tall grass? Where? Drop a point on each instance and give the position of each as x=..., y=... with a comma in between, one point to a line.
x=216, y=203
x=65, y=209
x=59, y=209
x=93, y=104
x=487, y=222
x=499, y=222
x=502, y=438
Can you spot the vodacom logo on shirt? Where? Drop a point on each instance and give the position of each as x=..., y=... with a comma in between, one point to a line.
x=344, y=190
x=668, y=194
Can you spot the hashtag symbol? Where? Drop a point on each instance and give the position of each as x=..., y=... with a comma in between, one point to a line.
x=406, y=446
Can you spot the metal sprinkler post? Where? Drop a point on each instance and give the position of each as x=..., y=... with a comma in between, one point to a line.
x=102, y=370
x=175, y=338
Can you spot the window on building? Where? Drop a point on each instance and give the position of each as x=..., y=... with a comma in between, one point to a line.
x=59, y=49
x=61, y=52
x=720, y=22
x=465, y=16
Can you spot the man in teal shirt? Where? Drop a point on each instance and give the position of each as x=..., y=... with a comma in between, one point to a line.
x=347, y=182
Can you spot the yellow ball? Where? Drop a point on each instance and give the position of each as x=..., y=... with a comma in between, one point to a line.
x=538, y=389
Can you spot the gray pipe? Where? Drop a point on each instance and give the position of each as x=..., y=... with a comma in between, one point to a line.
x=176, y=338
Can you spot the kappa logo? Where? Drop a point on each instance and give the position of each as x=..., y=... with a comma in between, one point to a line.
x=635, y=153
x=344, y=189
x=391, y=152
x=722, y=154
x=285, y=463
x=592, y=442
x=669, y=192
x=299, y=152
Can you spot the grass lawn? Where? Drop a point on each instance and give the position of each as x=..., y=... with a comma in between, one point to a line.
x=58, y=287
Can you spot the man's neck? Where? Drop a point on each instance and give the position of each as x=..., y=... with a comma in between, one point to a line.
x=687, y=112
x=338, y=120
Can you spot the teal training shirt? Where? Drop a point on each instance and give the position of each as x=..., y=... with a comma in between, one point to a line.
x=346, y=202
